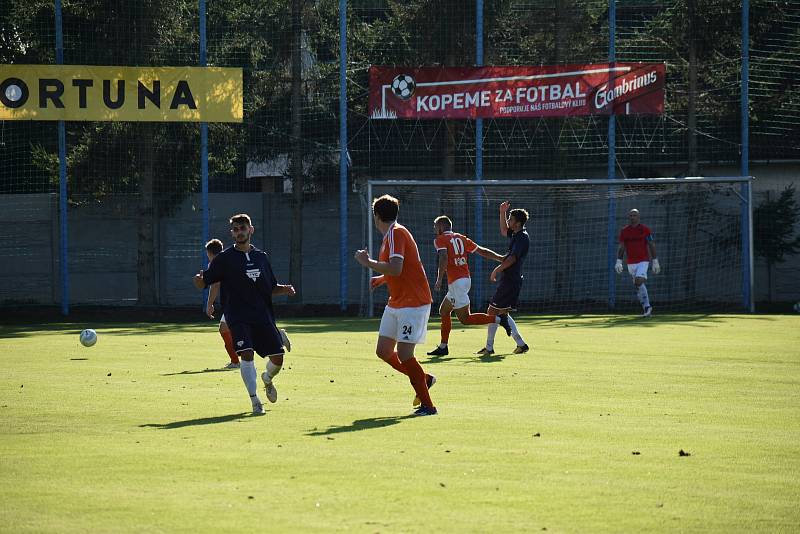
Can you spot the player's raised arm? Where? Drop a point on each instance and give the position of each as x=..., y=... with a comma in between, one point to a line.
x=503, y=217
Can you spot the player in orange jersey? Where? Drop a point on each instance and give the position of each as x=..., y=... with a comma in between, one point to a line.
x=405, y=318
x=453, y=249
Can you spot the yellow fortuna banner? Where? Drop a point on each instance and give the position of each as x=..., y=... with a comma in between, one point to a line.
x=87, y=93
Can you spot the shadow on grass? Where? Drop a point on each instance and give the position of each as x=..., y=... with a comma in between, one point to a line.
x=360, y=424
x=493, y=358
x=442, y=359
x=299, y=326
x=472, y=358
x=696, y=320
x=199, y=422
x=221, y=370
x=360, y=325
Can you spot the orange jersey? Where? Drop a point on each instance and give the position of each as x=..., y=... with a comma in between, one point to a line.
x=410, y=288
x=457, y=247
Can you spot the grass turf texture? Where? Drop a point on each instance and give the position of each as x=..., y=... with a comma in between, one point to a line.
x=142, y=432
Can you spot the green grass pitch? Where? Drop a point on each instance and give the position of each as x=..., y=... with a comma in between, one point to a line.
x=144, y=433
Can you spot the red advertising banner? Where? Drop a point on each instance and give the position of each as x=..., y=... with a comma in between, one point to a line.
x=509, y=92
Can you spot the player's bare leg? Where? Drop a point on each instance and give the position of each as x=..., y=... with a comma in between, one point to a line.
x=274, y=364
x=644, y=298
x=445, y=309
x=250, y=378
x=227, y=337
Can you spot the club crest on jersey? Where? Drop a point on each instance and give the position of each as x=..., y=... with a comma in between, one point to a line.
x=253, y=274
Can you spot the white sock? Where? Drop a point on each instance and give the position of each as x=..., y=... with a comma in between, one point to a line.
x=644, y=298
x=491, y=330
x=249, y=377
x=514, y=332
x=442, y=345
x=272, y=369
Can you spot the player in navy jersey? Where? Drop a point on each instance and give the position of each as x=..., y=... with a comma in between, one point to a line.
x=636, y=240
x=512, y=225
x=249, y=284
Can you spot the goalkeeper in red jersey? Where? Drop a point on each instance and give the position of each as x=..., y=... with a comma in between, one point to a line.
x=636, y=240
x=452, y=249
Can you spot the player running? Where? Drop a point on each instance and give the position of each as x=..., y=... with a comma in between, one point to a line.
x=452, y=249
x=512, y=225
x=636, y=240
x=405, y=318
x=249, y=284
x=213, y=248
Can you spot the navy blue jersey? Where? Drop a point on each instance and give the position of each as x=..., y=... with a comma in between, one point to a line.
x=247, y=284
x=518, y=244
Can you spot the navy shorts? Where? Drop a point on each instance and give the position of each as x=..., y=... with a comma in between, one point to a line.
x=507, y=294
x=263, y=338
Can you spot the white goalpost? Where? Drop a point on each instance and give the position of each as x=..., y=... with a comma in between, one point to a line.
x=702, y=228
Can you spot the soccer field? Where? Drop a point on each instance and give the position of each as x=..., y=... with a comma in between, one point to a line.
x=144, y=433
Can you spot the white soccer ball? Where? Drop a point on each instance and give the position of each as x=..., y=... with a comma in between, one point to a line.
x=88, y=337
x=403, y=86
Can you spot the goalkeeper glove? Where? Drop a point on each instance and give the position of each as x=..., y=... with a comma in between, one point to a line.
x=618, y=267
x=656, y=266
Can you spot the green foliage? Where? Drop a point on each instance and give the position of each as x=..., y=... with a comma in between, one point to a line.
x=774, y=223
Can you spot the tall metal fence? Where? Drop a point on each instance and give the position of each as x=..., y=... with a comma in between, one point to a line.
x=116, y=213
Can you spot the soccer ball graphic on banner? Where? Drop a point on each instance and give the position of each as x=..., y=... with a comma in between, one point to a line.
x=403, y=86
x=88, y=337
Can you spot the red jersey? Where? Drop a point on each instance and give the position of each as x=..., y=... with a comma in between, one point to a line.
x=635, y=239
x=457, y=247
x=410, y=288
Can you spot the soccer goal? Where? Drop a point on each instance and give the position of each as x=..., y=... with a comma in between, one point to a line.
x=702, y=229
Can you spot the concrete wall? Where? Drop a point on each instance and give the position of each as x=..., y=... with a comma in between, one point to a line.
x=103, y=243
x=103, y=247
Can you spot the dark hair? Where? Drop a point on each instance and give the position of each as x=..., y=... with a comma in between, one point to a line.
x=214, y=246
x=520, y=215
x=241, y=218
x=386, y=208
x=445, y=221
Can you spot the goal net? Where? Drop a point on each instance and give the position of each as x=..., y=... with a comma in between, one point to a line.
x=697, y=224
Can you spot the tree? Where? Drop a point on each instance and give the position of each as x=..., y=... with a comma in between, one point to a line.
x=774, y=223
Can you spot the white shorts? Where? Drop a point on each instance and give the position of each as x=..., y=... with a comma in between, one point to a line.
x=222, y=318
x=405, y=325
x=458, y=292
x=638, y=270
